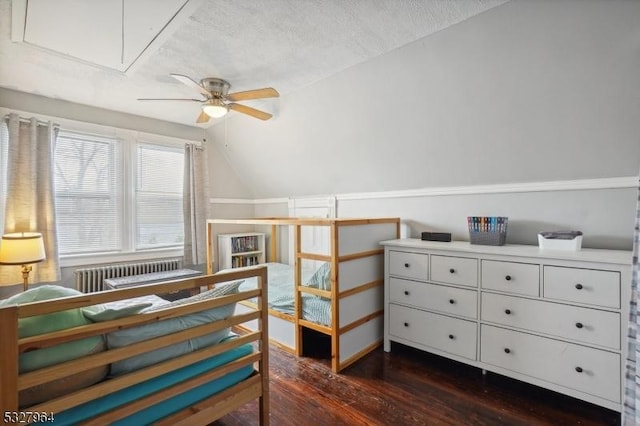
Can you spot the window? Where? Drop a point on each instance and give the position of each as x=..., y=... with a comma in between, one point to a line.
x=159, y=220
x=87, y=194
x=117, y=195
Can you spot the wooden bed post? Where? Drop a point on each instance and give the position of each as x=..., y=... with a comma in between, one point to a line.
x=335, y=294
x=9, y=360
x=209, y=248
x=264, y=348
x=297, y=248
x=273, y=255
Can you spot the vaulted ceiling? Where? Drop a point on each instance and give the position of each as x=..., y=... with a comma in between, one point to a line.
x=108, y=53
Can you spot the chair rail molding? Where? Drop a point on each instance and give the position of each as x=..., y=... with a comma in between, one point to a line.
x=546, y=186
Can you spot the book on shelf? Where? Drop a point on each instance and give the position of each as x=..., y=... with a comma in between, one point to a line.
x=240, y=261
x=242, y=244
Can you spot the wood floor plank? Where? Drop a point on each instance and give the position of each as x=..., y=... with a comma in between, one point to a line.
x=408, y=387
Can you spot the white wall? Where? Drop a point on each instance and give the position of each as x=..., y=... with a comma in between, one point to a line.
x=223, y=179
x=527, y=91
x=605, y=216
x=603, y=209
x=534, y=92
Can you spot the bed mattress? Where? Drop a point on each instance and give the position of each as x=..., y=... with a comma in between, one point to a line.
x=280, y=294
x=167, y=407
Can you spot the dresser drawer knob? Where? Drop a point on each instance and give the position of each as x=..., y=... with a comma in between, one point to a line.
x=406, y=324
x=579, y=369
x=508, y=278
x=406, y=265
x=452, y=301
x=507, y=311
x=452, y=271
x=579, y=325
x=451, y=336
x=406, y=292
x=579, y=286
x=507, y=350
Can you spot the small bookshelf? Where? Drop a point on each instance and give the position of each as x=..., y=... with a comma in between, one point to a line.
x=238, y=250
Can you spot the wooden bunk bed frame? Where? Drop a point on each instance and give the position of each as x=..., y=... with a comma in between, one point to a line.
x=351, y=241
x=202, y=413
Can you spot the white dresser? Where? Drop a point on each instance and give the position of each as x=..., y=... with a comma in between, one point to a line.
x=555, y=319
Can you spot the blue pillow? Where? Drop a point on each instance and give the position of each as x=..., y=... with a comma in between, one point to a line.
x=125, y=337
x=40, y=324
x=40, y=358
x=321, y=278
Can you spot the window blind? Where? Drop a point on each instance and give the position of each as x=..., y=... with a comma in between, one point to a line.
x=159, y=180
x=88, y=193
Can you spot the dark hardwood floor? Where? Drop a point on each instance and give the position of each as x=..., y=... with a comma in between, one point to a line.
x=408, y=387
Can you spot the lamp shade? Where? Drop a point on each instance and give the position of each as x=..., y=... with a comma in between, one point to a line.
x=215, y=108
x=21, y=248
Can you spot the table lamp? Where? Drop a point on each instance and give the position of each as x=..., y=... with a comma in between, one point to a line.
x=22, y=248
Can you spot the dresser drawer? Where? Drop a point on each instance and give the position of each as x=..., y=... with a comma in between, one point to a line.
x=409, y=265
x=449, y=300
x=589, y=286
x=512, y=277
x=593, y=371
x=454, y=270
x=451, y=335
x=571, y=322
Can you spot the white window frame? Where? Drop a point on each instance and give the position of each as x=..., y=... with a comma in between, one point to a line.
x=128, y=214
x=75, y=126
x=129, y=141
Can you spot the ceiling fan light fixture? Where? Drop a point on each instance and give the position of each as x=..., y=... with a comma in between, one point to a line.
x=218, y=101
x=215, y=108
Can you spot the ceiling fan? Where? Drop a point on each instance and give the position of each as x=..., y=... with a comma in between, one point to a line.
x=217, y=101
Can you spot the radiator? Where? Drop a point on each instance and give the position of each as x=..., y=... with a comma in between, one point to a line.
x=92, y=279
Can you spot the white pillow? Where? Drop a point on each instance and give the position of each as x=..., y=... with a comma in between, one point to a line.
x=105, y=312
x=121, y=338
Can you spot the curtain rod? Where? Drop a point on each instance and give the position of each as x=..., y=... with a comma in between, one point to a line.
x=38, y=122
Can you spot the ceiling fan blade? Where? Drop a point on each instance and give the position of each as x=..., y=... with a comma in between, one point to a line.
x=202, y=118
x=267, y=92
x=250, y=111
x=170, y=99
x=191, y=83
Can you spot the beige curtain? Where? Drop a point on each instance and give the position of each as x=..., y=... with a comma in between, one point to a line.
x=30, y=202
x=194, y=205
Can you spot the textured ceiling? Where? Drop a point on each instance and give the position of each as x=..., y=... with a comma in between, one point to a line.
x=285, y=44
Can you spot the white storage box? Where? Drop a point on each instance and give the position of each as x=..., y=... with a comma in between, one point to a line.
x=560, y=240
